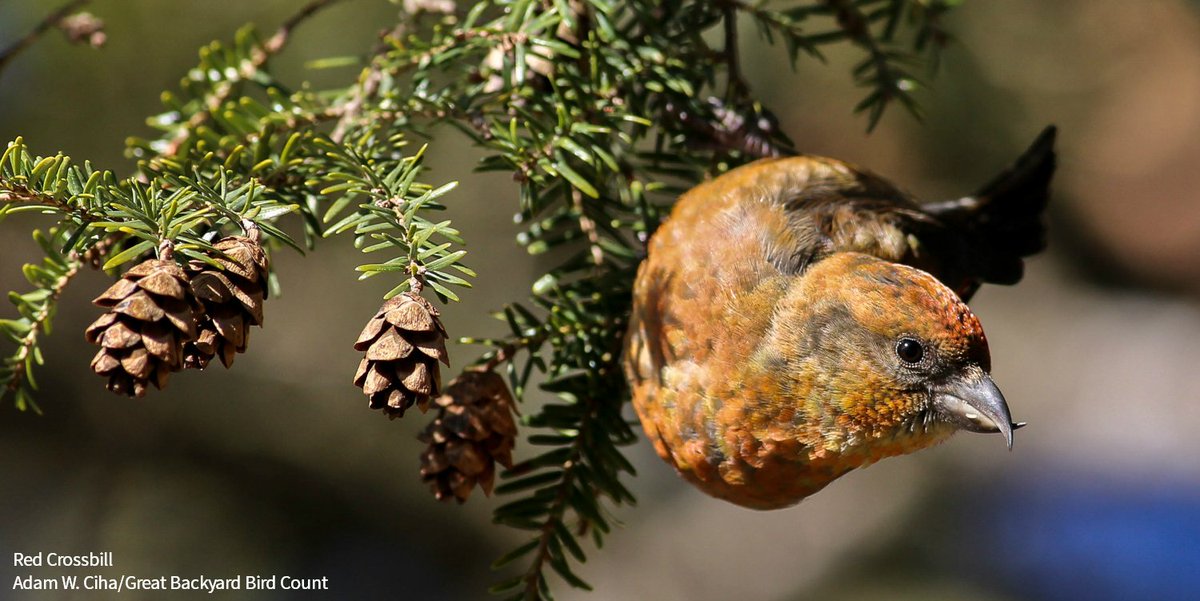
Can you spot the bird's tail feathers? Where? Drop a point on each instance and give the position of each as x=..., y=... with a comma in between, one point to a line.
x=1003, y=221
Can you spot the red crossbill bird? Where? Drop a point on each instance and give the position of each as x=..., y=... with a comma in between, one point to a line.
x=799, y=317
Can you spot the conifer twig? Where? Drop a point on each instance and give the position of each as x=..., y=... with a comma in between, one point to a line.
x=51, y=20
x=889, y=82
x=29, y=342
x=588, y=227
x=15, y=192
x=284, y=33
x=736, y=86
x=273, y=46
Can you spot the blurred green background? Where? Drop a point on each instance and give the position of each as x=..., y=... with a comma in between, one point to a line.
x=277, y=466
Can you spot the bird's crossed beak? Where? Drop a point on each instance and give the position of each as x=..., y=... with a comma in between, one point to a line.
x=972, y=402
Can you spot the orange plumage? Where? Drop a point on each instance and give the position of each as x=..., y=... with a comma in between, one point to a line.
x=797, y=318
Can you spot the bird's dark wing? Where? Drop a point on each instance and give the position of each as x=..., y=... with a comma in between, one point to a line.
x=964, y=242
x=994, y=229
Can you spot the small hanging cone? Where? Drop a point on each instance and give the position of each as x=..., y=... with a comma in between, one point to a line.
x=404, y=343
x=473, y=431
x=232, y=299
x=151, y=314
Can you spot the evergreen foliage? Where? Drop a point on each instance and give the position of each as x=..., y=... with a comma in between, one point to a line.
x=602, y=111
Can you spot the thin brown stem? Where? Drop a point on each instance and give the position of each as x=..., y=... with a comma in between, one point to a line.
x=889, y=82
x=50, y=21
x=39, y=321
x=736, y=86
x=546, y=533
x=503, y=354
x=416, y=282
x=284, y=33
x=13, y=192
x=258, y=60
x=506, y=351
x=588, y=227
x=349, y=111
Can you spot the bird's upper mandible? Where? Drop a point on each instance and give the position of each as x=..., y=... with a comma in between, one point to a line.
x=798, y=317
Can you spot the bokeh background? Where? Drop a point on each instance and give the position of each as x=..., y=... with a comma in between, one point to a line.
x=277, y=466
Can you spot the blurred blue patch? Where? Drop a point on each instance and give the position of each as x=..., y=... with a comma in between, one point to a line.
x=1074, y=539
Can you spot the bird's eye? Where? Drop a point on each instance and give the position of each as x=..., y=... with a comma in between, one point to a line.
x=909, y=350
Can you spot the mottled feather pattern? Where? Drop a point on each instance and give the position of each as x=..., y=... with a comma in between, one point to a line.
x=761, y=345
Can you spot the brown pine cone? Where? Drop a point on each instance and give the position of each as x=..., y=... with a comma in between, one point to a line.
x=403, y=344
x=151, y=314
x=474, y=429
x=232, y=299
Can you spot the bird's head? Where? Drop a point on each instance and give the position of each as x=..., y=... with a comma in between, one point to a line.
x=905, y=358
